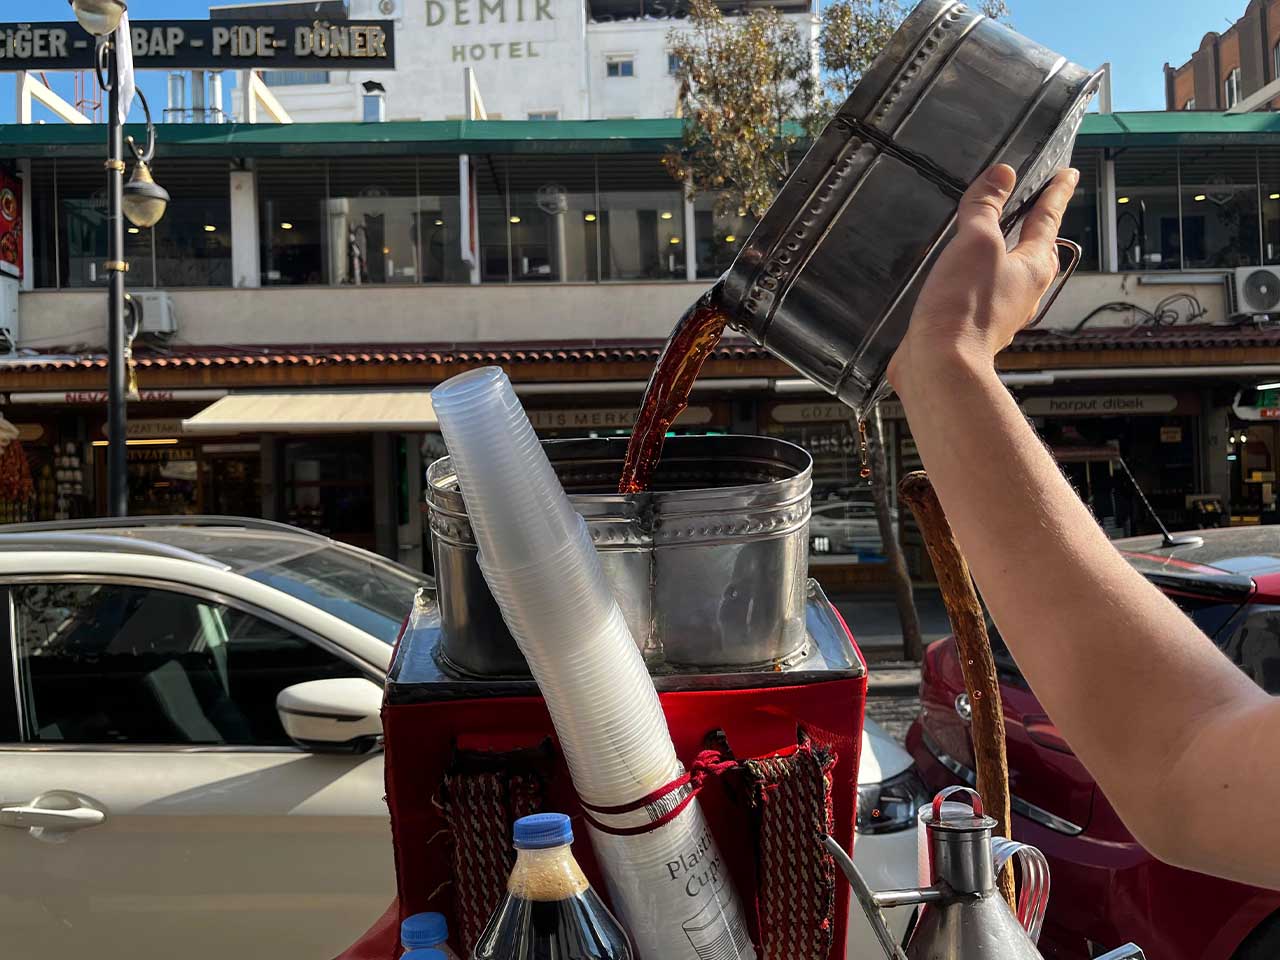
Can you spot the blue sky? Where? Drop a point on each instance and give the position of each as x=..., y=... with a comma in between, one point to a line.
x=1137, y=36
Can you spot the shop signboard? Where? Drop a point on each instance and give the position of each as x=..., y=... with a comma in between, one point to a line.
x=10, y=224
x=150, y=428
x=94, y=397
x=606, y=418
x=209, y=45
x=1262, y=405
x=1100, y=405
x=1170, y=434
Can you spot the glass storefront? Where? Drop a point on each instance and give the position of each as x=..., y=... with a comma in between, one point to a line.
x=844, y=527
x=327, y=486
x=719, y=236
x=1147, y=211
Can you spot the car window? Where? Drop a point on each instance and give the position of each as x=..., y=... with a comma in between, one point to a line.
x=1254, y=646
x=111, y=663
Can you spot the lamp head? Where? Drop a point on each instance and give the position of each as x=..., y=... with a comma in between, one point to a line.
x=144, y=201
x=99, y=17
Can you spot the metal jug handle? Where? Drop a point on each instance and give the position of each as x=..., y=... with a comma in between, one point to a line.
x=1074, y=254
x=873, y=903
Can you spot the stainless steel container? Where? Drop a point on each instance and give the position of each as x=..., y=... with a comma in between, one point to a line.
x=828, y=279
x=709, y=567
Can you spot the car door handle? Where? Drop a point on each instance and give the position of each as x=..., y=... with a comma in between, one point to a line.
x=54, y=812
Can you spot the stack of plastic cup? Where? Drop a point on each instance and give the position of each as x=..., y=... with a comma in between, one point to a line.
x=543, y=571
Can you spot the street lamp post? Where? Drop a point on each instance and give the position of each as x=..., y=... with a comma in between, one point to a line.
x=144, y=202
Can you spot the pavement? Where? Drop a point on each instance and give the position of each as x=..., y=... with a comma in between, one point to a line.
x=893, y=685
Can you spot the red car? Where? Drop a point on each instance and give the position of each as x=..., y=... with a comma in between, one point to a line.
x=1106, y=889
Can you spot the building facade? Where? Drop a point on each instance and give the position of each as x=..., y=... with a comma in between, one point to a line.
x=300, y=261
x=1233, y=69
x=532, y=60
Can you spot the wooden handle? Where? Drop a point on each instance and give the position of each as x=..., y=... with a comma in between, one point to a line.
x=974, y=647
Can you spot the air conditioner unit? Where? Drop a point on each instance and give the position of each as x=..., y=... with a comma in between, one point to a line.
x=1257, y=290
x=158, y=315
x=10, y=330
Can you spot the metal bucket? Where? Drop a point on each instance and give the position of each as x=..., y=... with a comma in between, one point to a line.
x=829, y=277
x=709, y=567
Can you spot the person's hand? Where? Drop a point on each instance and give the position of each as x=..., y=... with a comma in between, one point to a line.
x=979, y=295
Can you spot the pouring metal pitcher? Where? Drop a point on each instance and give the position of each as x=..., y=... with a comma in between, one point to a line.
x=829, y=276
x=964, y=917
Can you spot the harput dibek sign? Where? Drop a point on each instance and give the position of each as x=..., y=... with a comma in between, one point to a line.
x=209, y=45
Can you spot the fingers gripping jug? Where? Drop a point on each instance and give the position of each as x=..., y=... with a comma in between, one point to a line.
x=550, y=911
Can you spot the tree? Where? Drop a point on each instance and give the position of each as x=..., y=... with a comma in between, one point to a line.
x=752, y=87
x=748, y=92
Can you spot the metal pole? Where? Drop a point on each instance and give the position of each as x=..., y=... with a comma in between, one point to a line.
x=117, y=426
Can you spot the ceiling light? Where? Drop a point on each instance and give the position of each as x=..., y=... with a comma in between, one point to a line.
x=731, y=239
x=1122, y=200
x=1200, y=198
x=286, y=225
x=1274, y=385
x=210, y=228
x=134, y=230
x=439, y=223
x=674, y=241
x=666, y=214
x=386, y=251
x=515, y=219
x=1275, y=196
x=590, y=218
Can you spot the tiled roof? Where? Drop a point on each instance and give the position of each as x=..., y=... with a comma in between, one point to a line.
x=345, y=354
x=1196, y=336
x=1189, y=336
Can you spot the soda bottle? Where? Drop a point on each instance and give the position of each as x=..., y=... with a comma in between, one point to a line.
x=426, y=930
x=550, y=911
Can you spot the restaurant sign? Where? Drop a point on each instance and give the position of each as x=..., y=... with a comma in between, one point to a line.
x=209, y=45
x=1106, y=405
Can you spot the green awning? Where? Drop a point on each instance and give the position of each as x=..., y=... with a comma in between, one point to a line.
x=409, y=138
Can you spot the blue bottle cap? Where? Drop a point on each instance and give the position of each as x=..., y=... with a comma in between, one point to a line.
x=542, y=831
x=425, y=954
x=424, y=930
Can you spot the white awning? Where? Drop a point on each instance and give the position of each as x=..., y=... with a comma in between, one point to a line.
x=310, y=411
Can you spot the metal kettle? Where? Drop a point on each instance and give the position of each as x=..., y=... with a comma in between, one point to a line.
x=964, y=917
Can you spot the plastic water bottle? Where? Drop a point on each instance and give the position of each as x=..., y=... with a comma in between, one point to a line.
x=426, y=930
x=550, y=911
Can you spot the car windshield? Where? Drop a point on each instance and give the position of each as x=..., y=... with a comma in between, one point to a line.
x=365, y=590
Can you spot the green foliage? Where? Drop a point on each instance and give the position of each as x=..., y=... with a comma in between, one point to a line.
x=750, y=87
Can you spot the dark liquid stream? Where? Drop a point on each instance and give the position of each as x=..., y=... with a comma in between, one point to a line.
x=690, y=345
x=578, y=928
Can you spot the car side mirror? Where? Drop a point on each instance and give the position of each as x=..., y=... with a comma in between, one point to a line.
x=339, y=715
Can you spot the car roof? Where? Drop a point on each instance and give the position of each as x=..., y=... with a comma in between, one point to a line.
x=1215, y=557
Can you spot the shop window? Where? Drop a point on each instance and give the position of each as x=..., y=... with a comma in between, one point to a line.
x=544, y=115
x=719, y=236
x=44, y=249
x=193, y=240
x=1269, y=191
x=844, y=527
x=82, y=230
x=328, y=487
x=1220, y=215
x=373, y=222
x=439, y=238
x=1147, y=221
x=620, y=67
x=1080, y=223
x=642, y=220
x=293, y=78
x=553, y=219
x=292, y=225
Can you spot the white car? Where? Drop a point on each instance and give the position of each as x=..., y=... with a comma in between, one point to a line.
x=155, y=798
x=846, y=527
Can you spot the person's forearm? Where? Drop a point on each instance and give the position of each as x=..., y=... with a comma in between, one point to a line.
x=1131, y=683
